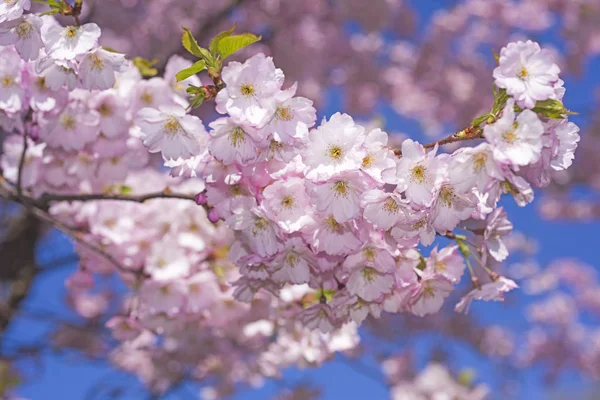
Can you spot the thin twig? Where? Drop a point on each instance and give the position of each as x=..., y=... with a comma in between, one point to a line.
x=8, y=192
x=469, y=133
x=21, y=165
x=46, y=198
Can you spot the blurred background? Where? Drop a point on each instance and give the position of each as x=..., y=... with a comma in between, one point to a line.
x=419, y=69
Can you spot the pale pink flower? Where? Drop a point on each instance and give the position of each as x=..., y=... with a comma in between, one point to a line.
x=492, y=291
x=527, y=72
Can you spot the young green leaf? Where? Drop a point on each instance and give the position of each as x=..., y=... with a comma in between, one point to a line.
x=192, y=46
x=230, y=44
x=215, y=41
x=146, y=67
x=193, y=70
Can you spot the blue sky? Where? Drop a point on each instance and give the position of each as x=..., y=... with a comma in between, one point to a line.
x=67, y=376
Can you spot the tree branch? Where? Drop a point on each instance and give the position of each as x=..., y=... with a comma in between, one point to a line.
x=470, y=133
x=46, y=198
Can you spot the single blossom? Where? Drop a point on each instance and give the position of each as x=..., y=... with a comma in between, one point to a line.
x=517, y=141
x=25, y=33
x=69, y=42
x=171, y=131
x=493, y=291
x=527, y=72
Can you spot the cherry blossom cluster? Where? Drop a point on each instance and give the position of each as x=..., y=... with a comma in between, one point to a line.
x=335, y=208
x=433, y=382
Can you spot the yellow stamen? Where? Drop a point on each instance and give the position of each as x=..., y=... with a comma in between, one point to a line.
x=237, y=136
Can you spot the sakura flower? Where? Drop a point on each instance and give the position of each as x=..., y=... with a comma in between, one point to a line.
x=450, y=208
x=72, y=129
x=202, y=291
x=12, y=96
x=474, y=167
x=260, y=233
x=66, y=43
x=382, y=209
x=497, y=226
x=13, y=9
x=167, y=296
x=112, y=113
x=124, y=328
x=332, y=237
x=25, y=34
x=447, y=262
x=293, y=116
x=334, y=147
x=43, y=98
x=231, y=142
x=250, y=90
x=11, y=156
x=378, y=156
x=338, y=197
x=57, y=73
x=430, y=295
x=527, y=72
x=418, y=173
x=287, y=203
x=492, y=291
x=97, y=69
x=167, y=261
x=171, y=131
x=415, y=224
x=294, y=261
x=519, y=141
x=567, y=134
x=318, y=317
x=379, y=258
x=368, y=283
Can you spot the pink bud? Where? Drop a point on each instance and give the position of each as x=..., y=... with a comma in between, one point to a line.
x=213, y=216
x=201, y=199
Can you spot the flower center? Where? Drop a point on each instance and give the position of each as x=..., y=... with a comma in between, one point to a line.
x=105, y=110
x=420, y=223
x=447, y=195
x=391, y=206
x=24, y=30
x=287, y=201
x=147, y=98
x=479, y=161
x=292, y=259
x=41, y=82
x=418, y=173
x=341, y=189
x=237, y=136
x=172, y=127
x=8, y=81
x=428, y=291
x=335, y=152
x=523, y=73
x=333, y=225
x=275, y=146
x=67, y=121
x=369, y=254
x=260, y=225
x=97, y=63
x=369, y=274
x=284, y=113
x=439, y=266
x=367, y=161
x=247, y=90
x=71, y=31
x=235, y=190
x=511, y=136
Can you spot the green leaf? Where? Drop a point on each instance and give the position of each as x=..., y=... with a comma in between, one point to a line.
x=230, y=44
x=53, y=11
x=554, y=109
x=110, y=49
x=197, y=100
x=190, y=71
x=480, y=120
x=496, y=57
x=146, y=67
x=213, y=46
x=125, y=190
x=192, y=46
